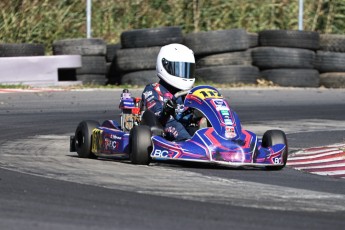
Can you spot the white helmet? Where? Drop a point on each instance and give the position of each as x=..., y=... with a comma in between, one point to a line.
x=175, y=65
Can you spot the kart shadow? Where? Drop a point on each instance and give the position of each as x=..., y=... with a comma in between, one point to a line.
x=196, y=165
x=178, y=164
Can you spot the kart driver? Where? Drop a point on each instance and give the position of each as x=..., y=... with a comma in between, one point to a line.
x=175, y=67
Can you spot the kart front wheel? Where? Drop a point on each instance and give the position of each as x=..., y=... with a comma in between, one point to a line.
x=273, y=137
x=141, y=145
x=83, y=138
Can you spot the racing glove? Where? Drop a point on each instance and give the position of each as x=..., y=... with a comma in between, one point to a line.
x=169, y=108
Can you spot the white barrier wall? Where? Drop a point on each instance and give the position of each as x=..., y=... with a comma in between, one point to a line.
x=36, y=70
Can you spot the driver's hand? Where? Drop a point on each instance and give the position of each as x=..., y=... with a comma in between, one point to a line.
x=169, y=108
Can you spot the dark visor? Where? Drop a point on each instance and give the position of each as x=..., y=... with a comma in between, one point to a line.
x=179, y=69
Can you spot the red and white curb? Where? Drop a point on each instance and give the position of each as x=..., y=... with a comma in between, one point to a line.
x=327, y=160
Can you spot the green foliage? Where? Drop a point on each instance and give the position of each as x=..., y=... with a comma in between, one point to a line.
x=43, y=21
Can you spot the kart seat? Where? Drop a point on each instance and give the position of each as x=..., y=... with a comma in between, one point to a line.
x=151, y=120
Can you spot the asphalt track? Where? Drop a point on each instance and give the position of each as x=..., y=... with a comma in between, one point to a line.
x=43, y=186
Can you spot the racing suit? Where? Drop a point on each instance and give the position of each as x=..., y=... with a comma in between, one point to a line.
x=154, y=97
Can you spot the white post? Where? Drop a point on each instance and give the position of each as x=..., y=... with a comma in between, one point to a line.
x=300, y=15
x=88, y=18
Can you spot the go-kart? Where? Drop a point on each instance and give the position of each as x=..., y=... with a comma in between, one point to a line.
x=140, y=137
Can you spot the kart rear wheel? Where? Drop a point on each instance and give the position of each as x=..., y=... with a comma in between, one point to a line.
x=273, y=137
x=141, y=145
x=83, y=140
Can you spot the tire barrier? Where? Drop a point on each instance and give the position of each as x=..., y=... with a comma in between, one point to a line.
x=332, y=42
x=230, y=58
x=134, y=59
x=228, y=74
x=93, y=55
x=253, y=40
x=278, y=57
x=293, y=77
x=142, y=78
x=138, y=54
x=330, y=60
x=285, y=57
x=81, y=46
x=289, y=38
x=113, y=74
x=220, y=41
x=333, y=80
x=140, y=38
x=21, y=50
x=223, y=56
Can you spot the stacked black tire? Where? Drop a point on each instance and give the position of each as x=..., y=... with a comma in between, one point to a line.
x=93, y=59
x=330, y=60
x=21, y=50
x=113, y=75
x=135, y=62
x=223, y=56
x=287, y=57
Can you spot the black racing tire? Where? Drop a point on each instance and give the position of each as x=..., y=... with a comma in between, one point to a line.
x=111, y=51
x=92, y=65
x=327, y=62
x=219, y=41
x=231, y=58
x=141, y=145
x=228, y=74
x=332, y=42
x=293, y=77
x=139, y=38
x=80, y=46
x=92, y=79
x=273, y=137
x=332, y=80
x=83, y=137
x=21, y=50
x=140, y=78
x=290, y=38
x=278, y=57
x=128, y=60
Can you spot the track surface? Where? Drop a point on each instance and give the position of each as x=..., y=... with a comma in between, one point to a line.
x=96, y=194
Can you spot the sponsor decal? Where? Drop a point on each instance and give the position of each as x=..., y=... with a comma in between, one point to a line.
x=171, y=130
x=110, y=144
x=150, y=98
x=225, y=112
x=276, y=160
x=130, y=103
x=114, y=137
x=160, y=153
x=230, y=132
x=228, y=122
x=147, y=94
x=220, y=105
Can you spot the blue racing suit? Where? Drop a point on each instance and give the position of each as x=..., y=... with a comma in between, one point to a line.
x=154, y=96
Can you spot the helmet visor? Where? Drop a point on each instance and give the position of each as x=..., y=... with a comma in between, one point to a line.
x=179, y=69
